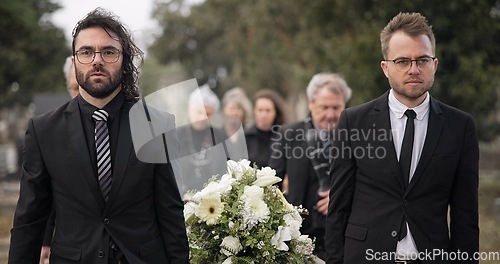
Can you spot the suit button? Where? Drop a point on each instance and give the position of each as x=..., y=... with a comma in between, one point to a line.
x=394, y=233
x=405, y=202
x=101, y=254
x=105, y=221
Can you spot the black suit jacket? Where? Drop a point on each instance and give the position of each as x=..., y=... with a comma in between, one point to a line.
x=367, y=196
x=289, y=156
x=144, y=213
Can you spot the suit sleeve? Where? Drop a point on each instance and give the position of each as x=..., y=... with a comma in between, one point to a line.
x=464, y=230
x=342, y=173
x=169, y=207
x=34, y=204
x=49, y=229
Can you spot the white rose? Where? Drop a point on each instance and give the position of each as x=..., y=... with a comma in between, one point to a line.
x=252, y=193
x=225, y=184
x=266, y=171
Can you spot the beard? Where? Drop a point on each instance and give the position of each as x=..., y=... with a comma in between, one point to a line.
x=99, y=88
x=411, y=93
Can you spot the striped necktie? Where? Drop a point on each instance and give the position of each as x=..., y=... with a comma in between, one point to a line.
x=103, y=152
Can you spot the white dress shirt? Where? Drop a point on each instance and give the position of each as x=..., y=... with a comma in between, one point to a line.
x=406, y=247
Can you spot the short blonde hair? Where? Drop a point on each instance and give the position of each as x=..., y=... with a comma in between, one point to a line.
x=412, y=24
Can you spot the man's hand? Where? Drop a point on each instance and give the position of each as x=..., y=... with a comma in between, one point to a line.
x=45, y=255
x=322, y=204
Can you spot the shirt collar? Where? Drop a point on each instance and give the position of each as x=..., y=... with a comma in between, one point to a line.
x=399, y=108
x=112, y=107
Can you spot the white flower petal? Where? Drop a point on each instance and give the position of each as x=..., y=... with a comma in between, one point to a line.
x=230, y=246
x=264, y=181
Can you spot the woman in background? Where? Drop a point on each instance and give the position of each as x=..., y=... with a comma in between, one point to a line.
x=269, y=114
x=237, y=115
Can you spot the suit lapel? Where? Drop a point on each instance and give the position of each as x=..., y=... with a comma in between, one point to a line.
x=79, y=147
x=435, y=126
x=382, y=117
x=123, y=150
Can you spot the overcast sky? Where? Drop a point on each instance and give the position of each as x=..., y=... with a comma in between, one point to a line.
x=135, y=14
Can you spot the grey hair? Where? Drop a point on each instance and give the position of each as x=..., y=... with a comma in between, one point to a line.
x=204, y=96
x=238, y=95
x=67, y=66
x=332, y=81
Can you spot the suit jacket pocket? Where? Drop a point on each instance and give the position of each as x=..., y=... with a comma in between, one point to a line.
x=66, y=252
x=356, y=232
x=151, y=247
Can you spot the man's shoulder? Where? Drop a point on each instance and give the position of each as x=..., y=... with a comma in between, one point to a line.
x=54, y=114
x=294, y=126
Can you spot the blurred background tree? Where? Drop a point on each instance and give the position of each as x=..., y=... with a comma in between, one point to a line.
x=280, y=44
x=32, y=50
x=275, y=44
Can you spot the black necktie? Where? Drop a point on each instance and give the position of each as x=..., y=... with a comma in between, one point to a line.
x=405, y=158
x=407, y=147
x=103, y=152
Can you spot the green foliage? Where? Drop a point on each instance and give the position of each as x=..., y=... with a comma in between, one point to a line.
x=254, y=225
x=32, y=50
x=280, y=44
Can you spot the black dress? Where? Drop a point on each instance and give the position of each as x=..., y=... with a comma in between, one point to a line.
x=259, y=145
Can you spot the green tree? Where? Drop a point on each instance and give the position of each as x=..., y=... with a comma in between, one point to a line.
x=32, y=50
x=280, y=44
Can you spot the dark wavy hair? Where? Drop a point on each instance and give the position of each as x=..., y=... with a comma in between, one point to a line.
x=110, y=23
x=279, y=105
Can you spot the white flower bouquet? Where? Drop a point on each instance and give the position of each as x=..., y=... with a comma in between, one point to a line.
x=243, y=218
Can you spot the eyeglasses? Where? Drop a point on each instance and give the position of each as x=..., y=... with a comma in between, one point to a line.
x=404, y=64
x=108, y=55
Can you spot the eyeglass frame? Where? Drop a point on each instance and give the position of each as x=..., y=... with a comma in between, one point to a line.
x=411, y=62
x=100, y=52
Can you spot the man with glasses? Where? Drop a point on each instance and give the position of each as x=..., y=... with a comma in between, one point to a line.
x=79, y=160
x=416, y=199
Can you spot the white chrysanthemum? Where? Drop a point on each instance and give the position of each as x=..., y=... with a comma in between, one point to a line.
x=282, y=235
x=230, y=246
x=210, y=208
x=189, y=209
x=254, y=212
x=227, y=261
x=253, y=192
x=294, y=225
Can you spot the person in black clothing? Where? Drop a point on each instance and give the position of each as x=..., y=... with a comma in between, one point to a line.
x=73, y=90
x=269, y=115
x=203, y=152
x=300, y=153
